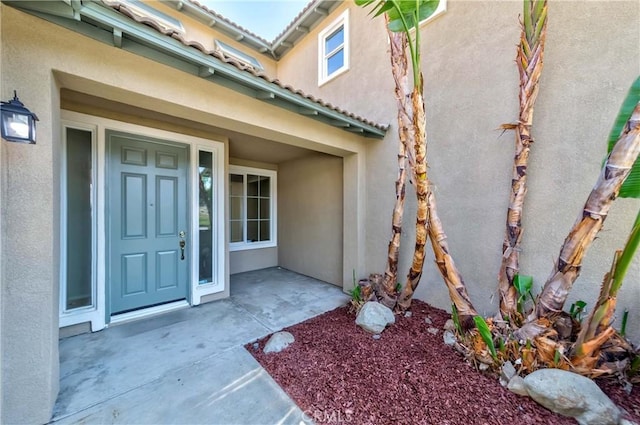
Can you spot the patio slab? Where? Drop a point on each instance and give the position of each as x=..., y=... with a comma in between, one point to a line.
x=189, y=366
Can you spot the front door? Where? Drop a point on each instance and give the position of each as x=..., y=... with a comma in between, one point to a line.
x=147, y=221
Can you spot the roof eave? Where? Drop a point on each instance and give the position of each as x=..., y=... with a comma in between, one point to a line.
x=143, y=40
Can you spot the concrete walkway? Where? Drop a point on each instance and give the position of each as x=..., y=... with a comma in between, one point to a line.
x=189, y=366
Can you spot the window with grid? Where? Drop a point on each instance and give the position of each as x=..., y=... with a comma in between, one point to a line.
x=333, y=48
x=252, y=220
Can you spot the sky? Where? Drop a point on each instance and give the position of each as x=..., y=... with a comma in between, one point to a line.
x=266, y=18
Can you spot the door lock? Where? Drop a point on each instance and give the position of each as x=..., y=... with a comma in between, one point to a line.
x=182, y=244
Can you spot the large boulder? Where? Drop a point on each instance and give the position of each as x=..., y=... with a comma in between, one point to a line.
x=570, y=394
x=374, y=317
x=278, y=342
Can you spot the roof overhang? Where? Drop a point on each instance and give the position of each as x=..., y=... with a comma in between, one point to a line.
x=105, y=24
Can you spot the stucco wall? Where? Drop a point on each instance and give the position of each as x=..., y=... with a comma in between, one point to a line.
x=310, y=226
x=471, y=93
x=252, y=259
x=470, y=90
x=30, y=204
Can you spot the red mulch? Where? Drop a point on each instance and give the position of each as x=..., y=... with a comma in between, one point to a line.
x=337, y=372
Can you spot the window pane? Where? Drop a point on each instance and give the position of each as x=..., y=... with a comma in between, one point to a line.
x=335, y=62
x=236, y=208
x=252, y=208
x=265, y=207
x=236, y=231
x=265, y=230
x=79, y=235
x=235, y=184
x=252, y=185
x=265, y=187
x=335, y=40
x=205, y=216
x=252, y=231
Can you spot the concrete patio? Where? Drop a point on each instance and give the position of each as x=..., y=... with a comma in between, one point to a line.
x=189, y=366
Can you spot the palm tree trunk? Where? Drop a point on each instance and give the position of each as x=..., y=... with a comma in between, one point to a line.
x=567, y=268
x=448, y=270
x=422, y=184
x=399, y=68
x=529, y=60
x=603, y=311
x=429, y=225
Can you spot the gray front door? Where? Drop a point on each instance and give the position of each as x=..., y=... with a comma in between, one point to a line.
x=146, y=215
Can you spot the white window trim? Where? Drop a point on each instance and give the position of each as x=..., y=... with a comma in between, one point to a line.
x=244, y=245
x=342, y=20
x=442, y=8
x=91, y=313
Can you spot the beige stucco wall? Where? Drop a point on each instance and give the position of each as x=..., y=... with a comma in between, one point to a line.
x=252, y=259
x=471, y=89
x=46, y=58
x=310, y=233
x=30, y=205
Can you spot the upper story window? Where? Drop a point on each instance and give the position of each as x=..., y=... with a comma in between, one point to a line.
x=239, y=55
x=333, y=49
x=252, y=215
x=145, y=10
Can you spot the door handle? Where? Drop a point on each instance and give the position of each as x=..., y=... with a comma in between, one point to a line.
x=182, y=244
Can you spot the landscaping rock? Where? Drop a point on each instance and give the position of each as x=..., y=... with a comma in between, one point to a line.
x=374, y=317
x=407, y=314
x=427, y=320
x=449, y=338
x=432, y=330
x=376, y=336
x=449, y=325
x=278, y=342
x=516, y=385
x=573, y=395
x=506, y=373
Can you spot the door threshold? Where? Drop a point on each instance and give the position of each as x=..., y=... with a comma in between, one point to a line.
x=145, y=313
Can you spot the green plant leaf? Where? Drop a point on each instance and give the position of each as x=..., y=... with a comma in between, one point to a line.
x=456, y=318
x=527, y=18
x=625, y=259
x=631, y=186
x=485, y=333
x=523, y=283
x=623, y=328
x=409, y=10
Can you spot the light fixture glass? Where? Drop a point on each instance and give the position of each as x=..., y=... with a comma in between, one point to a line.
x=18, y=123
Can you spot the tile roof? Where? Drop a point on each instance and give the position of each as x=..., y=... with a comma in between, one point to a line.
x=122, y=8
x=227, y=20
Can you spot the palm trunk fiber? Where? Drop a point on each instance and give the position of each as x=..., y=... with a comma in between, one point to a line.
x=399, y=68
x=529, y=60
x=615, y=171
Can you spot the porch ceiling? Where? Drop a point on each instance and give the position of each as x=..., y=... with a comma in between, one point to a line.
x=241, y=146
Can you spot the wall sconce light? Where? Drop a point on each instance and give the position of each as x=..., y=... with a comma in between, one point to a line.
x=18, y=123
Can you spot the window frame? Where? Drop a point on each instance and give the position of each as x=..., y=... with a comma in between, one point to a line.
x=273, y=228
x=440, y=10
x=341, y=21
